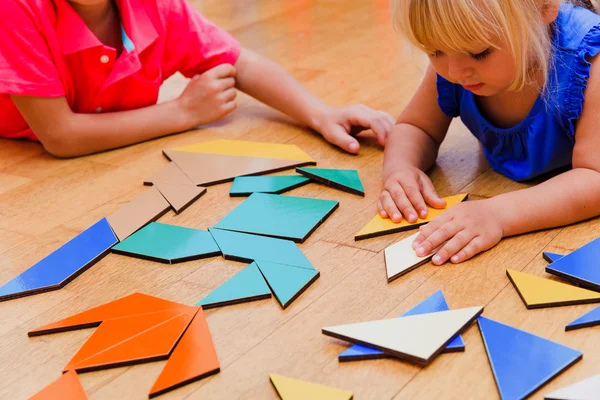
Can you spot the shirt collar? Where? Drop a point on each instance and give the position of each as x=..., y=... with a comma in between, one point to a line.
x=74, y=35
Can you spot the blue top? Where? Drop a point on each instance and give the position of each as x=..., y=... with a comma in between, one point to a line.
x=544, y=140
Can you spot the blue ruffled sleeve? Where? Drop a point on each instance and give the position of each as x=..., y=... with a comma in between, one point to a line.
x=448, y=97
x=577, y=82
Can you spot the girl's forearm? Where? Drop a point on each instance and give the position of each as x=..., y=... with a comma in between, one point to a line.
x=565, y=199
x=408, y=145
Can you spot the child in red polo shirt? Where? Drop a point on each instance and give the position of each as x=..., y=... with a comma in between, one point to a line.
x=82, y=76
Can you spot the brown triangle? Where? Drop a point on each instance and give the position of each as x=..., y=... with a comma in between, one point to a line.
x=180, y=196
x=148, y=206
x=209, y=169
x=170, y=174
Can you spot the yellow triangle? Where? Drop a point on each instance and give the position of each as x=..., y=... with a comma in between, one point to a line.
x=294, y=389
x=248, y=149
x=380, y=226
x=539, y=292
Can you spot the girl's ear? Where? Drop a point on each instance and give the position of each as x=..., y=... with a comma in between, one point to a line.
x=550, y=11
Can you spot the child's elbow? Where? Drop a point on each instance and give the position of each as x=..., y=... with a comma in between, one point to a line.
x=60, y=147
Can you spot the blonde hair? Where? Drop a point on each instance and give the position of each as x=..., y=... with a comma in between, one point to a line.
x=468, y=25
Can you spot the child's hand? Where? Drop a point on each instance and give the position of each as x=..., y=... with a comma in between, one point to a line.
x=468, y=228
x=339, y=125
x=209, y=97
x=406, y=190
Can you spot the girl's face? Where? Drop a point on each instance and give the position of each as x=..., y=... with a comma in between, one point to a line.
x=485, y=72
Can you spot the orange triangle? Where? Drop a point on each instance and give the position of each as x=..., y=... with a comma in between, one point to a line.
x=137, y=303
x=209, y=169
x=114, y=331
x=194, y=358
x=179, y=196
x=153, y=344
x=67, y=387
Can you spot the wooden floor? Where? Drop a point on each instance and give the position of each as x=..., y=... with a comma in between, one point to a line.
x=345, y=52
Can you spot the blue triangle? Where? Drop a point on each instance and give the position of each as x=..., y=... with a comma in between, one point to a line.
x=287, y=282
x=551, y=257
x=580, y=266
x=591, y=318
x=436, y=302
x=246, y=285
x=522, y=362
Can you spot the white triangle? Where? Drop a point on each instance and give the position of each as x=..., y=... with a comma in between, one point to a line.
x=587, y=389
x=400, y=258
x=417, y=338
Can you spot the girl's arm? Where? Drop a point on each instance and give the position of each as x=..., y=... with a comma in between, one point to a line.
x=65, y=133
x=570, y=197
x=269, y=83
x=411, y=149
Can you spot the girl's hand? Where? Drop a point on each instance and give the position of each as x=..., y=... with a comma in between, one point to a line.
x=339, y=125
x=208, y=97
x=468, y=228
x=407, y=191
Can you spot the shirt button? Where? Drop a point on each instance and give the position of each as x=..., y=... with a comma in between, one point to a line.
x=99, y=109
x=104, y=59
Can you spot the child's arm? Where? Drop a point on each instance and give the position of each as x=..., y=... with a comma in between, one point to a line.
x=269, y=83
x=64, y=133
x=411, y=149
x=573, y=196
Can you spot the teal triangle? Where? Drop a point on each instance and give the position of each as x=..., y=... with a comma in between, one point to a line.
x=287, y=282
x=591, y=318
x=246, y=185
x=347, y=178
x=522, y=362
x=246, y=285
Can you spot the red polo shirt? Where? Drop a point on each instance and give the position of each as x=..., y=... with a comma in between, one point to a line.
x=46, y=50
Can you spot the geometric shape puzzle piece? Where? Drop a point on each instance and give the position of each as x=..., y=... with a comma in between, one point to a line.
x=134, y=304
x=180, y=197
x=247, y=285
x=64, y=264
x=286, y=217
x=210, y=169
x=170, y=174
x=346, y=180
x=580, y=266
x=286, y=281
x=142, y=209
x=152, y=344
x=114, y=331
x=379, y=226
x=551, y=257
x=416, y=338
x=436, y=302
x=295, y=389
x=587, y=320
x=522, y=362
x=400, y=258
x=539, y=292
x=249, y=149
x=168, y=244
x=194, y=358
x=247, y=248
x=66, y=387
x=246, y=185
x=587, y=389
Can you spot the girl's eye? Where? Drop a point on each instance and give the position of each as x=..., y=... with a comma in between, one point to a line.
x=436, y=53
x=482, y=55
